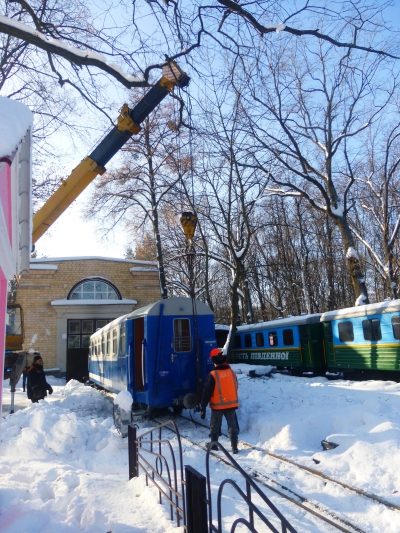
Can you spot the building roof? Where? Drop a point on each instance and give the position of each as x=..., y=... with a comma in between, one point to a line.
x=37, y=260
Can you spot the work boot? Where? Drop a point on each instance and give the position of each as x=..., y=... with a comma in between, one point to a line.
x=234, y=443
x=213, y=438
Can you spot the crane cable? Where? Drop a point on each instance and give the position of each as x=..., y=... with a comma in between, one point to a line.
x=191, y=252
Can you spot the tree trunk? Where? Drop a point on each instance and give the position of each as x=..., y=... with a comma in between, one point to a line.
x=353, y=261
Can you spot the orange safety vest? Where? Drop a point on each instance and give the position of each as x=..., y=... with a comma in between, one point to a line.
x=225, y=390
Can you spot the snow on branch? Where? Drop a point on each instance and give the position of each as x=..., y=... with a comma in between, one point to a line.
x=361, y=300
x=352, y=253
x=369, y=248
x=237, y=8
x=74, y=55
x=395, y=232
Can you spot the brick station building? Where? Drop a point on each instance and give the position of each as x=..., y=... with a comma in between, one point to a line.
x=65, y=300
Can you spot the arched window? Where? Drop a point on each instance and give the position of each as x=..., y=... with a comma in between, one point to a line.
x=94, y=289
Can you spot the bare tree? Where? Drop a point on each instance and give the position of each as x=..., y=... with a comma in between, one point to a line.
x=379, y=198
x=308, y=107
x=136, y=192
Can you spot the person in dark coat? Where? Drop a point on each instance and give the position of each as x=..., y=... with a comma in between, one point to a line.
x=37, y=384
x=24, y=377
x=220, y=391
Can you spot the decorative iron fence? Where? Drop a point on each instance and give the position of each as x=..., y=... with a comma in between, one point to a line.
x=253, y=510
x=156, y=457
x=189, y=496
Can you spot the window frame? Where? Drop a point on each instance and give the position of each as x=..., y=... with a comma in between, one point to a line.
x=273, y=334
x=260, y=341
x=122, y=339
x=78, y=288
x=285, y=334
x=345, y=333
x=182, y=343
x=371, y=329
x=248, y=341
x=114, y=342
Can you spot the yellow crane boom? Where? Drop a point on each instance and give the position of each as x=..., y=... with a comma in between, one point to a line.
x=127, y=125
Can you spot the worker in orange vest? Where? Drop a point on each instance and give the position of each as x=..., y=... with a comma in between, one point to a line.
x=220, y=391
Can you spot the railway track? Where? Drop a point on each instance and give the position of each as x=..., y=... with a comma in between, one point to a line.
x=312, y=471
x=317, y=509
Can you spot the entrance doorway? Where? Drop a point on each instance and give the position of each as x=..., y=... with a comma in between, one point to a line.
x=79, y=332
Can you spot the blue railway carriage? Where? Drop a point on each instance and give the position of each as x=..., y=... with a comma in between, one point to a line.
x=159, y=353
x=293, y=343
x=364, y=341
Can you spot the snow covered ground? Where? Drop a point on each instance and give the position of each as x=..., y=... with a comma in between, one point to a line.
x=64, y=467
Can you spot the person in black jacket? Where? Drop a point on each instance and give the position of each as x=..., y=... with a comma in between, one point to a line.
x=37, y=384
x=24, y=377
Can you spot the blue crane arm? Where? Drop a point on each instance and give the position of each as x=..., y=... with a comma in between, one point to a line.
x=128, y=124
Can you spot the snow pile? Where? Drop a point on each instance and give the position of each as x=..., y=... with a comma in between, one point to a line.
x=64, y=467
x=124, y=400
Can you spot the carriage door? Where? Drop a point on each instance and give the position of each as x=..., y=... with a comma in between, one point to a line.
x=183, y=361
x=305, y=346
x=139, y=355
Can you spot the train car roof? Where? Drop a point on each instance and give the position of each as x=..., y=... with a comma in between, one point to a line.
x=390, y=306
x=282, y=322
x=111, y=324
x=172, y=306
x=223, y=327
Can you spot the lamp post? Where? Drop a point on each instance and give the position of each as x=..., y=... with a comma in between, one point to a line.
x=189, y=223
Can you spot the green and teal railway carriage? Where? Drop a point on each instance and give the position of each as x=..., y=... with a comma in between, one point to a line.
x=360, y=342
x=364, y=341
x=294, y=343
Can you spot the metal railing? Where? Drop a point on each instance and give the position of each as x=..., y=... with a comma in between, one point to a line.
x=253, y=510
x=190, y=496
x=156, y=457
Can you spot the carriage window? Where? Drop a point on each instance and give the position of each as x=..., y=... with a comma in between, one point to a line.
x=122, y=345
x=346, y=332
x=272, y=338
x=247, y=340
x=288, y=339
x=114, y=342
x=108, y=343
x=259, y=339
x=396, y=327
x=238, y=341
x=182, y=338
x=103, y=345
x=372, y=329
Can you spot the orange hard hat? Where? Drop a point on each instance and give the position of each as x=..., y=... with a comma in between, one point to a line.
x=215, y=352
